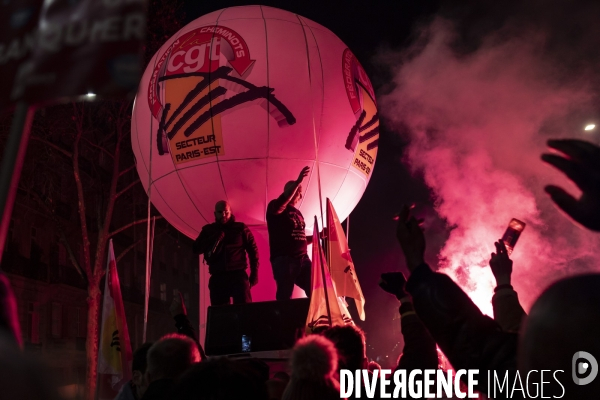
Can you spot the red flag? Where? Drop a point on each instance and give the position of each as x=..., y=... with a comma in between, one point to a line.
x=115, y=353
x=340, y=263
x=326, y=308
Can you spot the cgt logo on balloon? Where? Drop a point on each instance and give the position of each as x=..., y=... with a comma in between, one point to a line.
x=194, y=88
x=363, y=138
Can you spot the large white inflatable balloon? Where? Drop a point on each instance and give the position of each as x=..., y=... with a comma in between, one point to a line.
x=237, y=102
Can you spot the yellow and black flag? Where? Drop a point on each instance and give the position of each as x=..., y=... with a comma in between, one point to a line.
x=115, y=355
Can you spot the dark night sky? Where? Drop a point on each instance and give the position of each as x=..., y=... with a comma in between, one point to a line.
x=366, y=27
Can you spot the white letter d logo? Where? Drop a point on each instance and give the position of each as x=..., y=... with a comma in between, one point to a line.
x=583, y=367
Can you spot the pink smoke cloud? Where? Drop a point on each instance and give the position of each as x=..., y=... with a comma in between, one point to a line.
x=476, y=125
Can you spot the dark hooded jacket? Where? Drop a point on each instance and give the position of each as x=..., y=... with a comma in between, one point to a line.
x=468, y=338
x=225, y=246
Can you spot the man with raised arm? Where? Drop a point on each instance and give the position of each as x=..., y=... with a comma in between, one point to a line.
x=288, y=241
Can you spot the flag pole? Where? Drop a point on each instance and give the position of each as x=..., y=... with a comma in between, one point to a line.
x=12, y=164
x=348, y=229
x=320, y=251
x=148, y=228
x=149, y=251
x=327, y=240
x=325, y=287
x=106, y=280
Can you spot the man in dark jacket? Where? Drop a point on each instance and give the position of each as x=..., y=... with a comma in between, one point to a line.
x=225, y=244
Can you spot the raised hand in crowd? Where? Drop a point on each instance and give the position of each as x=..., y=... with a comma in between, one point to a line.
x=508, y=312
x=501, y=264
x=411, y=238
x=394, y=283
x=455, y=323
x=303, y=174
x=581, y=163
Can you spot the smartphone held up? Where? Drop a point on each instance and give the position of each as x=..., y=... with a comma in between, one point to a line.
x=512, y=234
x=246, y=343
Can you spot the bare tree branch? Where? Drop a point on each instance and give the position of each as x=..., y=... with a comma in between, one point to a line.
x=132, y=184
x=63, y=239
x=102, y=149
x=54, y=146
x=126, y=170
x=80, y=196
x=139, y=221
x=124, y=252
x=128, y=248
x=104, y=235
x=107, y=138
x=98, y=216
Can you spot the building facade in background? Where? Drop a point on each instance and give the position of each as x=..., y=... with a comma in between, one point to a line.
x=52, y=295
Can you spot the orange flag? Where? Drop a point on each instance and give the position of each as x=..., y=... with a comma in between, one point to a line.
x=326, y=308
x=340, y=263
x=115, y=355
